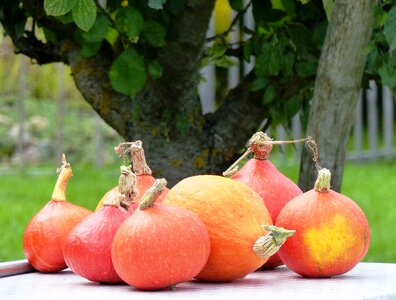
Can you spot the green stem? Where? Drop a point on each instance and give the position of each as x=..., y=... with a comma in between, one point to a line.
x=64, y=174
x=269, y=244
x=152, y=194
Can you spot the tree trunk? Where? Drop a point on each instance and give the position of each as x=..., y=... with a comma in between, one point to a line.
x=336, y=89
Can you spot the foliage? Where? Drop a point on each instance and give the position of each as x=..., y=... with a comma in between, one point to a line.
x=382, y=48
x=285, y=41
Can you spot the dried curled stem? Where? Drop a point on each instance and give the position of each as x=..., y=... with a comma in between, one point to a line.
x=135, y=151
x=261, y=145
x=127, y=186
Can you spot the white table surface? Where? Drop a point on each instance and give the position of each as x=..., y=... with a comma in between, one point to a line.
x=365, y=281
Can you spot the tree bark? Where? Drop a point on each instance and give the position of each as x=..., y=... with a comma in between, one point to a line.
x=166, y=115
x=337, y=84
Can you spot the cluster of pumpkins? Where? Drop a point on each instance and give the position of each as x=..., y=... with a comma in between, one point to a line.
x=208, y=227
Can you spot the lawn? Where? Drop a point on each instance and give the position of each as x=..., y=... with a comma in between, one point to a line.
x=371, y=185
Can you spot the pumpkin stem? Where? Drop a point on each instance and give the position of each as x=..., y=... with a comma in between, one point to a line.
x=269, y=244
x=138, y=159
x=127, y=183
x=64, y=174
x=152, y=193
x=261, y=145
x=234, y=167
x=114, y=199
x=139, y=163
x=322, y=183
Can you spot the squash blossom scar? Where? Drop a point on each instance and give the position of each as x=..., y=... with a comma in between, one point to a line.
x=330, y=241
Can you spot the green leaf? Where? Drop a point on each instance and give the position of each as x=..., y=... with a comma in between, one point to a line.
x=289, y=6
x=84, y=13
x=277, y=114
x=127, y=73
x=390, y=28
x=50, y=36
x=154, y=33
x=156, y=4
x=217, y=50
x=236, y=5
x=374, y=61
x=263, y=12
x=300, y=35
x=98, y=31
x=130, y=21
x=112, y=35
x=154, y=69
x=268, y=62
x=304, y=1
x=388, y=76
x=224, y=62
x=248, y=50
x=287, y=64
x=306, y=68
x=258, y=84
x=90, y=48
x=58, y=7
x=387, y=71
x=269, y=94
x=292, y=106
x=67, y=18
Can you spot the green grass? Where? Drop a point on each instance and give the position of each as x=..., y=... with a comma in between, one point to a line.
x=371, y=185
x=22, y=196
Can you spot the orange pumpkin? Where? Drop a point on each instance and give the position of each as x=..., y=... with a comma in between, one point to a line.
x=47, y=231
x=332, y=232
x=234, y=215
x=263, y=177
x=159, y=245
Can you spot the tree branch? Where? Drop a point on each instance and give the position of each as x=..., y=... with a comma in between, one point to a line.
x=42, y=53
x=91, y=78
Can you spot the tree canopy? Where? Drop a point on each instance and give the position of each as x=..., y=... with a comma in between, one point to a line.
x=137, y=63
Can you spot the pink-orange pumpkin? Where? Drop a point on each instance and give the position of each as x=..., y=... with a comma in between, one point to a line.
x=87, y=249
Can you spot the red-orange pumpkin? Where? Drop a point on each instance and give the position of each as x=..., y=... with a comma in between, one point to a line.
x=234, y=215
x=263, y=177
x=47, y=231
x=159, y=245
x=332, y=232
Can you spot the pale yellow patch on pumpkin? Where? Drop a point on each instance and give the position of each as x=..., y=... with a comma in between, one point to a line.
x=330, y=241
